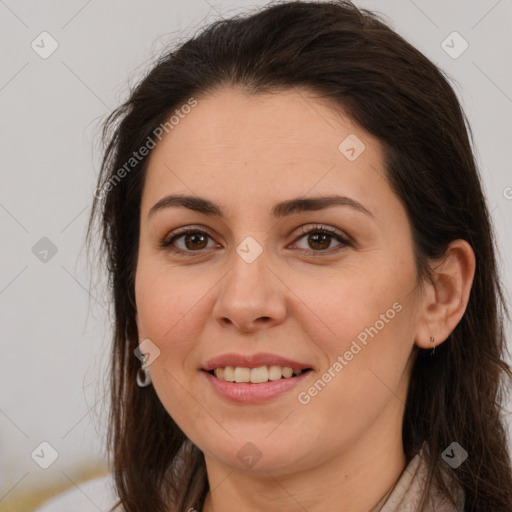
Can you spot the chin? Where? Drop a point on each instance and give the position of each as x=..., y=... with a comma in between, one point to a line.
x=259, y=456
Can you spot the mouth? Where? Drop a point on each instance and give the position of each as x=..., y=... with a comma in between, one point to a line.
x=258, y=375
x=255, y=385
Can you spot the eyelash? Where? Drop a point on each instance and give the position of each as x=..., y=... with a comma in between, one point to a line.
x=167, y=243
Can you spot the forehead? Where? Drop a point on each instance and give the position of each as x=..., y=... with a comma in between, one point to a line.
x=287, y=143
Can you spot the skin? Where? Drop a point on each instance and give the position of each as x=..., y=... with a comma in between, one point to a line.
x=342, y=450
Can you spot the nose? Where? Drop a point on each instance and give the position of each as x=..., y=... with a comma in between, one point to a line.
x=251, y=296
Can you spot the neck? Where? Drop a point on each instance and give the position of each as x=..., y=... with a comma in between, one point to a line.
x=357, y=480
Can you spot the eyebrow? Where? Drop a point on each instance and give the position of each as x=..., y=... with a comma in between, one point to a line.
x=280, y=210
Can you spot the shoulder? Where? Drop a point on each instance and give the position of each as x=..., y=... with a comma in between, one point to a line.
x=407, y=492
x=90, y=496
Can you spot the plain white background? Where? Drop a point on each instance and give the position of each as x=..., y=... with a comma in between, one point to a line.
x=56, y=324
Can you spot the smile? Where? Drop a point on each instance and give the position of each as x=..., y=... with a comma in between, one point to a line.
x=257, y=375
x=253, y=393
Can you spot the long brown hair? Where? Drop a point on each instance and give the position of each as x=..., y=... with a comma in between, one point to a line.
x=349, y=56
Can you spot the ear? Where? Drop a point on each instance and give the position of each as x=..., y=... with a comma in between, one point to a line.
x=446, y=296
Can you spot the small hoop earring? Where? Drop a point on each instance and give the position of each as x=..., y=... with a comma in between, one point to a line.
x=143, y=376
x=432, y=340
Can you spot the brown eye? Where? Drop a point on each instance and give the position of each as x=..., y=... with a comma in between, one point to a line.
x=191, y=240
x=319, y=239
x=194, y=241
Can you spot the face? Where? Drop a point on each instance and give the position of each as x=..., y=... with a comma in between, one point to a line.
x=333, y=289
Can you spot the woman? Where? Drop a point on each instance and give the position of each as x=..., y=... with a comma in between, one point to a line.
x=308, y=314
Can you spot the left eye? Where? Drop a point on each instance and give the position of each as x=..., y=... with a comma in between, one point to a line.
x=320, y=239
x=194, y=240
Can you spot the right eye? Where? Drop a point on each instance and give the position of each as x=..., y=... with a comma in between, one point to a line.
x=193, y=241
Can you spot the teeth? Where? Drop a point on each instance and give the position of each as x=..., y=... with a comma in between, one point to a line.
x=228, y=374
x=287, y=372
x=242, y=374
x=259, y=374
x=255, y=375
x=275, y=373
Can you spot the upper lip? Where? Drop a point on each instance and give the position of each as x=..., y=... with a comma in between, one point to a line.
x=252, y=361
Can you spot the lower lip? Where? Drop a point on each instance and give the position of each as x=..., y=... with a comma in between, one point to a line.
x=254, y=393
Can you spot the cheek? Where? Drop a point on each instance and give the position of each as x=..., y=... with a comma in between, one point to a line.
x=364, y=365
x=366, y=335
x=173, y=307
x=167, y=302
x=356, y=303
x=169, y=307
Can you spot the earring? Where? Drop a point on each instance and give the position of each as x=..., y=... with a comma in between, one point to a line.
x=434, y=349
x=143, y=376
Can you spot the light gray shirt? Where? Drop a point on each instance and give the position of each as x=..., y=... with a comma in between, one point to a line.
x=99, y=495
